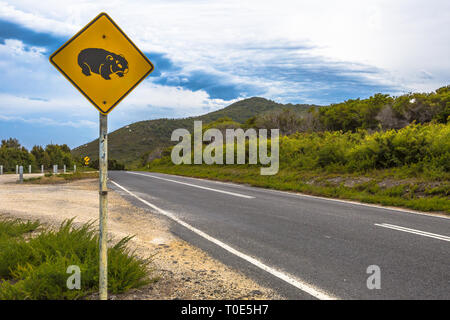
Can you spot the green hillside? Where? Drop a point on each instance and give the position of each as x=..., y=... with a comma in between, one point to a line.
x=128, y=144
x=387, y=150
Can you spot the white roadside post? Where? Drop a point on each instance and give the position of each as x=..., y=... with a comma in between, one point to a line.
x=64, y=168
x=56, y=169
x=103, y=190
x=42, y=168
x=21, y=174
x=17, y=169
x=1, y=170
x=29, y=168
x=74, y=168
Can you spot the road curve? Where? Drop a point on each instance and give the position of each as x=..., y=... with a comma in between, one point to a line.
x=304, y=247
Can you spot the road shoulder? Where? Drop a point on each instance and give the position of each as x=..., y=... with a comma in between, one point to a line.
x=185, y=271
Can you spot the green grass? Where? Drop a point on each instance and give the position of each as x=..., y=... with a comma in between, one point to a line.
x=50, y=178
x=13, y=228
x=34, y=267
x=400, y=191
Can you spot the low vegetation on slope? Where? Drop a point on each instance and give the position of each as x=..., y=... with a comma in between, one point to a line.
x=142, y=140
x=388, y=150
x=409, y=167
x=34, y=261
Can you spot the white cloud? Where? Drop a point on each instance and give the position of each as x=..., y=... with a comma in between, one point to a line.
x=36, y=93
x=52, y=122
x=401, y=37
x=396, y=36
x=36, y=22
x=176, y=97
x=405, y=41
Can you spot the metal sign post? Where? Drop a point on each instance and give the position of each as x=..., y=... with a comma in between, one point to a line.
x=105, y=66
x=103, y=190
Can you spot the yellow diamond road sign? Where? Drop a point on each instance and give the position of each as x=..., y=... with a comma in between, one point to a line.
x=102, y=63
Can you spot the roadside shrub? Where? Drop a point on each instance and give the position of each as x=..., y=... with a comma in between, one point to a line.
x=36, y=269
x=419, y=147
x=44, y=281
x=15, y=227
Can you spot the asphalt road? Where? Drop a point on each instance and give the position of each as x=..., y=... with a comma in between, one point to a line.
x=304, y=247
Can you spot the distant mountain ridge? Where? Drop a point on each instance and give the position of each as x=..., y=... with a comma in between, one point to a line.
x=130, y=142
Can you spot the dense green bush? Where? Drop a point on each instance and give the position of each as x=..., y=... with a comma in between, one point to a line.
x=424, y=147
x=13, y=228
x=36, y=268
x=420, y=148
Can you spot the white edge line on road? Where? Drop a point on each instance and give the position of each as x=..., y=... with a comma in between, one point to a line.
x=299, y=194
x=315, y=292
x=194, y=185
x=419, y=232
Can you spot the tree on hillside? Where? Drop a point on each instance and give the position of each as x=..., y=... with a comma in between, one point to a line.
x=287, y=120
x=59, y=154
x=442, y=100
x=389, y=119
x=424, y=107
x=41, y=156
x=12, y=154
x=310, y=121
x=222, y=124
x=11, y=143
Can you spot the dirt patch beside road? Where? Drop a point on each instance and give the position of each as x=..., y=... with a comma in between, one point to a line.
x=186, y=272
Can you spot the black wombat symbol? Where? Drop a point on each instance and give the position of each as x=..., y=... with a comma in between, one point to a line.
x=102, y=62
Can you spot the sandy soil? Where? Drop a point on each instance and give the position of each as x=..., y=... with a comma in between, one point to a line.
x=185, y=271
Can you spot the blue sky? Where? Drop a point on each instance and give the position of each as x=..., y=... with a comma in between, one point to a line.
x=209, y=54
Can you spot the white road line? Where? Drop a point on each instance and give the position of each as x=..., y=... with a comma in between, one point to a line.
x=194, y=185
x=419, y=232
x=304, y=195
x=299, y=284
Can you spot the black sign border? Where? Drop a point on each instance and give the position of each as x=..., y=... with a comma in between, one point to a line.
x=103, y=14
